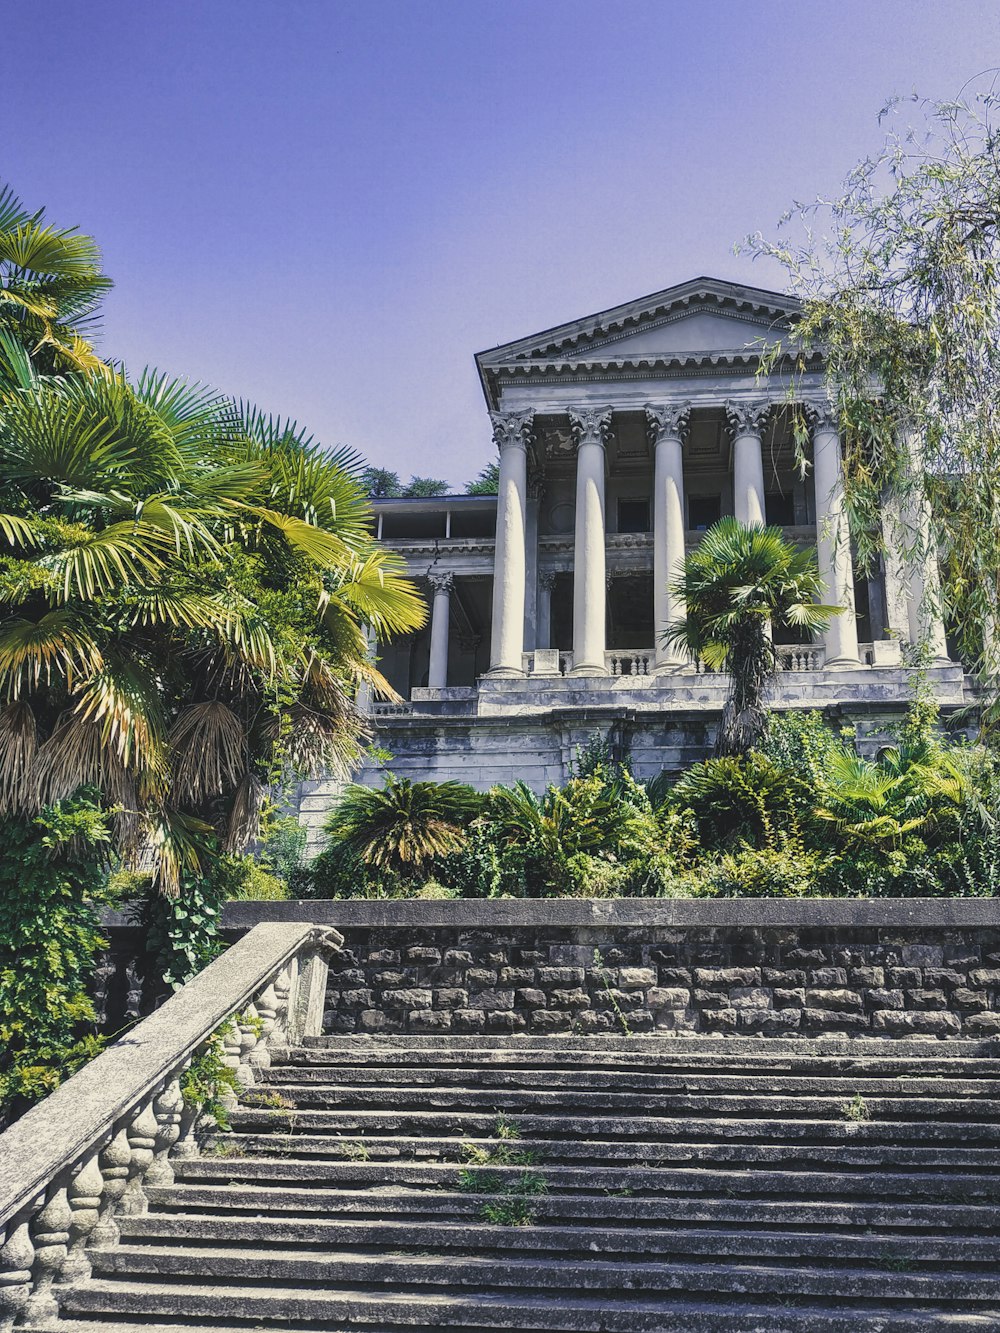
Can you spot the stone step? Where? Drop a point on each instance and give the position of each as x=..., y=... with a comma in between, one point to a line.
x=360, y=1121
x=946, y=1216
x=643, y=1275
x=473, y=1049
x=592, y=1179
x=295, y=1311
x=766, y=1082
x=879, y=1249
x=570, y=1102
x=456, y=1148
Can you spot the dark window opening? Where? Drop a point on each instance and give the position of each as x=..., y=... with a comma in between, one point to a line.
x=633, y=516
x=779, y=509
x=703, y=511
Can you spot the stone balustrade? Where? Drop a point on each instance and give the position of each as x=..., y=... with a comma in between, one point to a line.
x=88, y=1152
x=629, y=661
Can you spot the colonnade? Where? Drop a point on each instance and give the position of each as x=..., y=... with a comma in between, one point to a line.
x=667, y=424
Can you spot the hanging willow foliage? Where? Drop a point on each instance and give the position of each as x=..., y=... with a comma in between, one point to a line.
x=899, y=276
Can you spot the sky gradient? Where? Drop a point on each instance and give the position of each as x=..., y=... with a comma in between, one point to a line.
x=329, y=207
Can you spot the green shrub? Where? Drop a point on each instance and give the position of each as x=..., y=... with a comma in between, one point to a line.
x=182, y=933
x=736, y=801
x=52, y=878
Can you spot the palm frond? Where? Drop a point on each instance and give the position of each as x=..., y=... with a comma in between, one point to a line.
x=53, y=649
x=18, y=747
x=209, y=746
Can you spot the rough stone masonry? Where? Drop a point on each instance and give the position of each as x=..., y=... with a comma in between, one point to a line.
x=905, y=968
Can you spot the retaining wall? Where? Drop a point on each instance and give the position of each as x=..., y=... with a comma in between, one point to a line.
x=812, y=967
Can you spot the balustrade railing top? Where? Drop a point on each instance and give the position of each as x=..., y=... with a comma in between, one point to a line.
x=86, y=1152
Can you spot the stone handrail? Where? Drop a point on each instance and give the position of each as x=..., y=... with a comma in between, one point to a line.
x=88, y=1151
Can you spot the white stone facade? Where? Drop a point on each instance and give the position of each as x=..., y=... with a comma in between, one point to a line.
x=620, y=438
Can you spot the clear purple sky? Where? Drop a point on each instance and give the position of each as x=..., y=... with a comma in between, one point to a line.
x=329, y=207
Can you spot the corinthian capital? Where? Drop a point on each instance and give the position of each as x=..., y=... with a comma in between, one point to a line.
x=590, y=425
x=511, y=429
x=747, y=418
x=667, y=421
x=821, y=414
x=441, y=581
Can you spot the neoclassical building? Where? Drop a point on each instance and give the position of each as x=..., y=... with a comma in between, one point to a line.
x=621, y=437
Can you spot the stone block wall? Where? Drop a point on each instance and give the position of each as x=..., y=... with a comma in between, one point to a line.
x=913, y=968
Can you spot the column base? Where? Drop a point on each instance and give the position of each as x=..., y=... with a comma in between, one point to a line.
x=673, y=669
x=588, y=670
x=843, y=664
x=504, y=673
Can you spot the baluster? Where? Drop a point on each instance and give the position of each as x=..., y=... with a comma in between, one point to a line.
x=167, y=1109
x=231, y=1045
x=133, y=997
x=50, y=1234
x=267, y=1009
x=248, y=1041
x=141, y=1134
x=17, y=1256
x=85, y=1190
x=282, y=990
x=113, y=1161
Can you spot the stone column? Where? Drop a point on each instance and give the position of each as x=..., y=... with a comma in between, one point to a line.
x=747, y=419
x=510, y=431
x=590, y=429
x=833, y=539
x=437, y=671
x=916, y=561
x=546, y=582
x=666, y=427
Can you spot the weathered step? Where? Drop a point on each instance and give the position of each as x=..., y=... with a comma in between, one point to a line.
x=493, y=1273
x=475, y=1048
x=646, y=1180
x=572, y=1101
x=601, y=1210
x=762, y=1083
x=481, y=1124
x=457, y=1148
x=883, y=1250
x=535, y=1314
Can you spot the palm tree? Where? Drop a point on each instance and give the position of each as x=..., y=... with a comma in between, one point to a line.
x=739, y=583
x=51, y=285
x=402, y=827
x=185, y=588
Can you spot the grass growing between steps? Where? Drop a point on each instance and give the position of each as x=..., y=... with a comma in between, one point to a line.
x=510, y=1204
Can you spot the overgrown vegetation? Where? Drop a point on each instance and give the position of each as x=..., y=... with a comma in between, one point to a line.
x=52, y=879
x=898, y=269
x=186, y=583
x=802, y=814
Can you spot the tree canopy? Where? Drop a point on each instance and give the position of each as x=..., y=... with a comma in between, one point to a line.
x=185, y=587
x=899, y=274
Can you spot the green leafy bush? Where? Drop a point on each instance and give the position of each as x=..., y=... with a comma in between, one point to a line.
x=52, y=877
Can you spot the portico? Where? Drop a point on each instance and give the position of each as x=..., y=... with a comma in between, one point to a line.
x=620, y=438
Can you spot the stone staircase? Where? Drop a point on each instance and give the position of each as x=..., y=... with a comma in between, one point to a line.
x=613, y=1184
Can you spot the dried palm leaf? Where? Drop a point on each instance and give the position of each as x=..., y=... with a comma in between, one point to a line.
x=209, y=747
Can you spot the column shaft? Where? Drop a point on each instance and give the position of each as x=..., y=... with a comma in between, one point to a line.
x=746, y=419
x=510, y=430
x=667, y=425
x=543, y=633
x=589, y=593
x=833, y=541
x=437, y=674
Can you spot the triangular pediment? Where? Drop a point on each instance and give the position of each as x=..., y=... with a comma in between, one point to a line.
x=698, y=320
